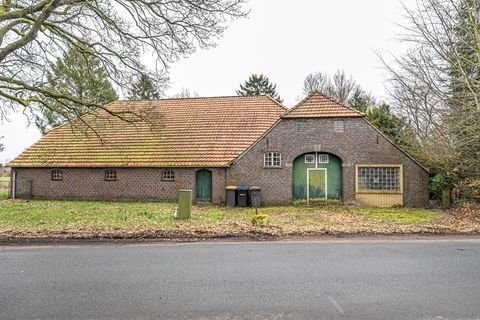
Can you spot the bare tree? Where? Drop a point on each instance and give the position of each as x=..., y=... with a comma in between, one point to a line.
x=119, y=33
x=339, y=87
x=186, y=93
x=436, y=84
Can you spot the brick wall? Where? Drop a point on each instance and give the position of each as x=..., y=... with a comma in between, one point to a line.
x=131, y=183
x=359, y=144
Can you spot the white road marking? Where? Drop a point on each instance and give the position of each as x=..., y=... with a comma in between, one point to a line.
x=336, y=304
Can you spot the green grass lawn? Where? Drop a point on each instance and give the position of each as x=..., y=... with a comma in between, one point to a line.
x=4, y=184
x=43, y=218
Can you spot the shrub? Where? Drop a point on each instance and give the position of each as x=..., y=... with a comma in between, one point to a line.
x=259, y=220
x=438, y=183
x=468, y=190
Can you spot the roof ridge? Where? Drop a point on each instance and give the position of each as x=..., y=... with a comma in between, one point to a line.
x=292, y=112
x=194, y=98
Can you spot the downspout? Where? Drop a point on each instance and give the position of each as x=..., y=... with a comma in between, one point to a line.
x=14, y=183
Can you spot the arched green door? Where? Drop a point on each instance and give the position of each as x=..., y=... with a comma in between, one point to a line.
x=204, y=185
x=317, y=177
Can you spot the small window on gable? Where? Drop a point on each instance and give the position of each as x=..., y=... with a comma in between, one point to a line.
x=309, y=158
x=272, y=159
x=110, y=175
x=323, y=158
x=57, y=175
x=300, y=126
x=339, y=126
x=168, y=175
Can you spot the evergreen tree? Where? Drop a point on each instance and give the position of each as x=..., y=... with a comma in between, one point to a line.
x=144, y=89
x=361, y=100
x=393, y=126
x=80, y=75
x=463, y=118
x=259, y=85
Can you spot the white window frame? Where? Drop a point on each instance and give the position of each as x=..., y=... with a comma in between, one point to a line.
x=322, y=158
x=312, y=158
x=57, y=175
x=168, y=175
x=272, y=160
x=110, y=175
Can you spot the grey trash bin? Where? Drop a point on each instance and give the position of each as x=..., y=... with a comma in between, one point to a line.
x=242, y=196
x=231, y=196
x=255, y=197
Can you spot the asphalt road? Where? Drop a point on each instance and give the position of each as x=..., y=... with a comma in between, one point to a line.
x=319, y=280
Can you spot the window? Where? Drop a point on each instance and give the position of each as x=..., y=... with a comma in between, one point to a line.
x=323, y=158
x=110, y=175
x=300, y=126
x=57, y=175
x=309, y=158
x=339, y=126
x=379, y=179
x=168, y=175
x=272, y=159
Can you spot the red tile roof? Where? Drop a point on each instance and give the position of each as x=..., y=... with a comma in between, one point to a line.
x=317, y=105
x=179, y=132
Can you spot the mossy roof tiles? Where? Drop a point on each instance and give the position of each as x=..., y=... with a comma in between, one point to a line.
x=204, y=132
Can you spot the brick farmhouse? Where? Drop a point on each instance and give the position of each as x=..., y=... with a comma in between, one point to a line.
x=318, y=151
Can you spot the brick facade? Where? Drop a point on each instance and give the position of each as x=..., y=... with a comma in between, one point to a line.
x=360, y=143
x=131, y=183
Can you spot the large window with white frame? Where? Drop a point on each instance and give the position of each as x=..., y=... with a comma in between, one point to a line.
x=379, y=178
x=272, y=159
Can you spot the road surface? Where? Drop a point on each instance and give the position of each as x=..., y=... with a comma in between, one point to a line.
x=434, y=279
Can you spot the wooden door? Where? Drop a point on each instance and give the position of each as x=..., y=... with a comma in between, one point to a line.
x=204, y=185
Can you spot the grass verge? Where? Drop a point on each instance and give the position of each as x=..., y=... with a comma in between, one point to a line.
x=87, y=219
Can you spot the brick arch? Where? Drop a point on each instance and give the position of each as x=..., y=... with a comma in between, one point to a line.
x=296, y=152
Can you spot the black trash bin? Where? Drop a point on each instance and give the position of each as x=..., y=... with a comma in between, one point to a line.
x=242, y=196
x=255, y=197
x=231, y=196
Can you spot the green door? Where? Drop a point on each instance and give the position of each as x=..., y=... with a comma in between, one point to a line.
x=204, y=185
x=317, y=186
x=309, y=162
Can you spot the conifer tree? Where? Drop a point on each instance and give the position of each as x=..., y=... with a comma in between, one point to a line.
x=144, y=89
x=77, y=74
x=259, y=85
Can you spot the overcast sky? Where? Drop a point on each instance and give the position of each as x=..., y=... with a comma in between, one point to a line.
x=284, y=40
